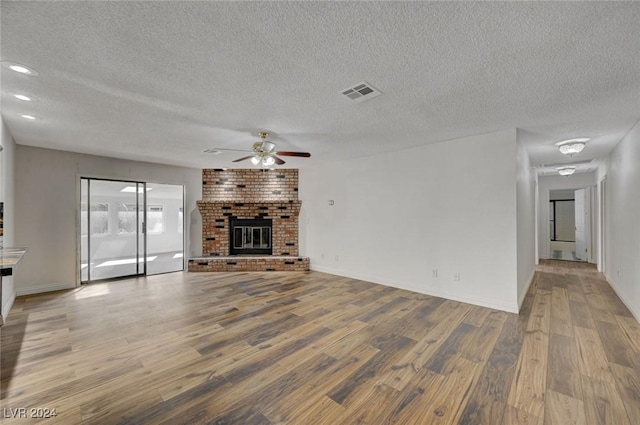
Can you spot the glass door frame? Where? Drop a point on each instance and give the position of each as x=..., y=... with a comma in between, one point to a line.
x=141, y=232
x=150, y=251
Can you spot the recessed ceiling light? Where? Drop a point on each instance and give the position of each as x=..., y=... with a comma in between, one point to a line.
x=22, y=97
x=28, y=117
x=19, y=68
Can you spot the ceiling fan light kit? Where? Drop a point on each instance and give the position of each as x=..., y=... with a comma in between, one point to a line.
x=264, y=155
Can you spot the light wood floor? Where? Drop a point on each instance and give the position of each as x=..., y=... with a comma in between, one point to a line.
x=312, y=348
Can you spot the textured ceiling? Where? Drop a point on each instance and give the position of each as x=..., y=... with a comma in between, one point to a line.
x=163, y=81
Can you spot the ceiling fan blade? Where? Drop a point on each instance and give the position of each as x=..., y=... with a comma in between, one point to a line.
x=278, y=160
x=231, y=150
x=243, y=158
x=300, y=154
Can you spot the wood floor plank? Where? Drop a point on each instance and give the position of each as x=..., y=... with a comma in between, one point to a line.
x=406, y=368
x=300, y=348
x=598, y=308
x=616, y=345
x=488, y=400
x=451, y=347
x=391, y=348
x=563, y=373
x=631, y=329
x=529, y=383
x=414, y=323
x=245, y=410
x=581, y=315
x=540, y=317
x=414, y=407
x=513, y=416
x=447, y=400
x=561, y=322
x=314, y=390
x=602, y=403
x=323, y=412
x=563, y=410
x=592, y=359
x=628, y=385
x=479, y=346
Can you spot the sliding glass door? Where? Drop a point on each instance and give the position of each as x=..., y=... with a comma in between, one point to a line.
x=112, y=242
x=130, y=228
x=165, y=233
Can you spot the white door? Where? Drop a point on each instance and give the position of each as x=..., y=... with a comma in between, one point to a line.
x=581, y=242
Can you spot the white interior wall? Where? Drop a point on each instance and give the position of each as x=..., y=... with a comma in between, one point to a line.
x=47, y=199
x=7, y=195
x=526, y=183
x=622, y=206
x=396, y=217
x=557, y=182
x=562, y=194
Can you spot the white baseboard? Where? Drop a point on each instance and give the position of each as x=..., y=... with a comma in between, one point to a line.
x=635, y=312
x=31, y=290
x=523, y=295
x=479, y=301
x=6, y=308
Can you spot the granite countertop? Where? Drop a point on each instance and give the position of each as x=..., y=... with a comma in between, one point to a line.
x=9, y=257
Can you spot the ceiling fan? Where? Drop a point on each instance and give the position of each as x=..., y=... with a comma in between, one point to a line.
x=264, y=153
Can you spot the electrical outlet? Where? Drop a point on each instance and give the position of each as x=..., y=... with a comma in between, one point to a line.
x=337, y=258
x=456, y=277
x=322, y=255
x=434, y=273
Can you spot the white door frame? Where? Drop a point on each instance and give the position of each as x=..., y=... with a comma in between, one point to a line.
x=602, y=234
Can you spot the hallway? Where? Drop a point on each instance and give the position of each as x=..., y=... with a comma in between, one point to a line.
x=590, y=342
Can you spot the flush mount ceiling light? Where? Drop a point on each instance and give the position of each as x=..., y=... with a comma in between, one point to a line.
x=19, y=68
x=28, y=117
x=566, y=171
x=572, y=146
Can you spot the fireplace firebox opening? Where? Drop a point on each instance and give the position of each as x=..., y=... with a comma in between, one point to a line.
x=250, y=236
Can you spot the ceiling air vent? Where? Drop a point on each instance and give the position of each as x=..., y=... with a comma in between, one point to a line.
x=361, y=92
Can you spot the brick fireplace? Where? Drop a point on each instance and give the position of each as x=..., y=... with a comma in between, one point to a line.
x=248, y=196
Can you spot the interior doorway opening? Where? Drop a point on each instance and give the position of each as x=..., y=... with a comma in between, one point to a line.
x=569, y=229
